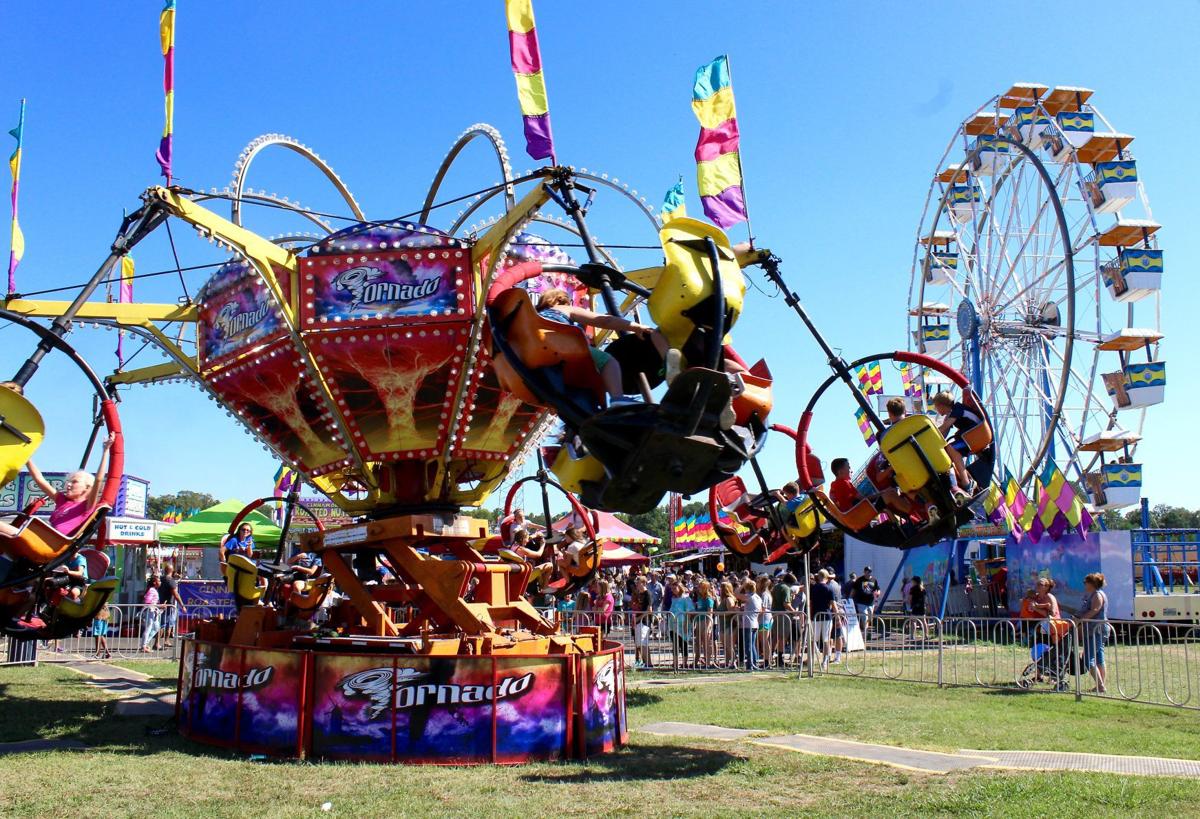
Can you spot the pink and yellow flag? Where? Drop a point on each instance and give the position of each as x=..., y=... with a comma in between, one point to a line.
x=718, y=162
x=166, y=35
x=17, y=243
x=531, y=84
x=124, y=296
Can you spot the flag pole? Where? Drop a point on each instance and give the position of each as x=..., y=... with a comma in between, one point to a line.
x=741, y=170
x=17, y=240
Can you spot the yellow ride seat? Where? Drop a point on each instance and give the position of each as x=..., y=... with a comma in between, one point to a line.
x=539, y=342
x=85, y=607
x=21, y=434
x=804, y=520
x=904, y=443
x=572, y=470
x=687, y=279
x=39, y=542
x=241, y=578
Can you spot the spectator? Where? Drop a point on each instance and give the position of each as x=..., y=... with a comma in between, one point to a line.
x=643, y=613
x=864, y=593
x=916, y=597
x=168, y=593
x=151, y=613
x=1094, y=615
x=781, y=627
x=655, y=587
x=602, y=602
x=100, y=632
x=762, y=588
x=751, y=608
x=838, y=629
x=820, y=613
x=705, y=601
x=727, y=608
x=681, y=620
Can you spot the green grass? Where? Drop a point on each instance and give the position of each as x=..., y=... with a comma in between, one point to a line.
x=130, y=773
x=923, y=716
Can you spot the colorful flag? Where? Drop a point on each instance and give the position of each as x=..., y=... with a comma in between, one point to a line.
x=531, y=84
x=166, y=36
x=124, y=296
x=673, y=205
x=17, y=243
x=284, y=478
x=996, y=509
x=864, y=426
x=910, y=377
x=870, y=378
x=718, y=161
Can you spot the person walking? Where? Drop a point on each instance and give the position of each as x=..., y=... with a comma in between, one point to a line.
x=168, y=595
x=151, y=613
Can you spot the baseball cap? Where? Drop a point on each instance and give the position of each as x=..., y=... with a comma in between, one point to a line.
x=866, y=569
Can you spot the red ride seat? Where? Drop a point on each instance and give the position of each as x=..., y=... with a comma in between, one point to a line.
x=539, y=343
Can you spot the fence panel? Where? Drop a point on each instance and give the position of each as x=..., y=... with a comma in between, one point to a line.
x=132, y=631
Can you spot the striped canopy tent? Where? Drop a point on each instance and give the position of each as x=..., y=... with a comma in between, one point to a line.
x=613, y=534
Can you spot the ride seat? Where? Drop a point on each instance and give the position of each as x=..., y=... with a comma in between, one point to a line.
x=241, y=578
x=979, y=437
x=572, y=469
x=913, y=446
x=97, y=563
x=541, y=343
x=682, y=299
x=755, y=398
x=856, y=518
x=313, y=592
x=39, y=542
x=85, y=608
x=804, y=521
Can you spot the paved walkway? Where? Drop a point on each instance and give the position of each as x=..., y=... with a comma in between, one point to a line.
x=139, y=695
x=933, y=761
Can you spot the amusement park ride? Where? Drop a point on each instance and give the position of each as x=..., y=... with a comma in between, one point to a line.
x=403, y=370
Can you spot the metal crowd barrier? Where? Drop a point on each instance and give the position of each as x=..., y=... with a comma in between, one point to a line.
x=1150, y=663
x=130, y=628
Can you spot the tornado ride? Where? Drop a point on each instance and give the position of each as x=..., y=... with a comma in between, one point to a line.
x=403, y=371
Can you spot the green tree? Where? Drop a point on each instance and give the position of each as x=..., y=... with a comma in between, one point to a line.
x=185, y=502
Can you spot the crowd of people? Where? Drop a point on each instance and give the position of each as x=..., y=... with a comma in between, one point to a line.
x=727, y=620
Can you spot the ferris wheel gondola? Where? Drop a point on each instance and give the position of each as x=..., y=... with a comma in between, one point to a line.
x=1022, y=280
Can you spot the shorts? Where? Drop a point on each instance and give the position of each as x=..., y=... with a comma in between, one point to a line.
x=824, y=629
x=1093, y=647
x=171, y=617
x=960, y=446
x=864, y=609
x=99, y=628
x=642, y=634
x=599, y=358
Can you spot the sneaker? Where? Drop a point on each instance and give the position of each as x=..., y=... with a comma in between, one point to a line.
x=673, y=365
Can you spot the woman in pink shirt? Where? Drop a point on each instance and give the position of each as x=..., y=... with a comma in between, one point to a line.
x=74, y=504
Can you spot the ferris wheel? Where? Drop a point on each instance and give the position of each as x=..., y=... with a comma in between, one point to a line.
x=1037, y=271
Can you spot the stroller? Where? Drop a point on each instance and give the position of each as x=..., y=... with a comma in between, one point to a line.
x=1052, y=658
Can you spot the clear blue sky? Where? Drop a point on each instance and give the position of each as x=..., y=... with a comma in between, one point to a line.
x=844, y=111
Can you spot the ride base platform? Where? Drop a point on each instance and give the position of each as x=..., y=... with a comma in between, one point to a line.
x=447, y=666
